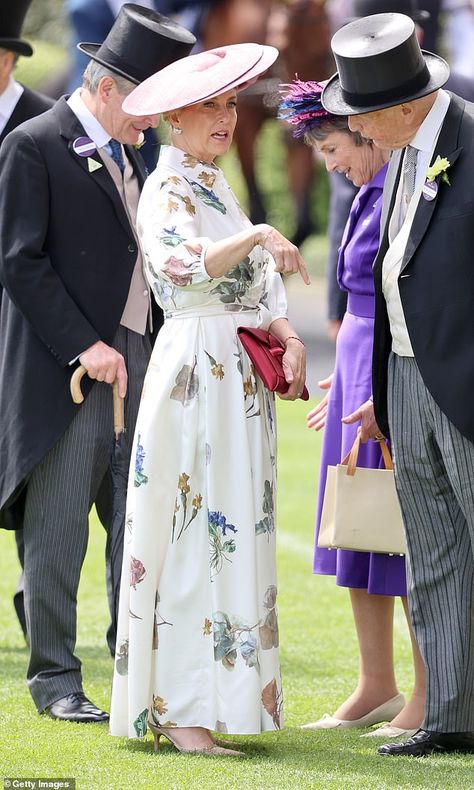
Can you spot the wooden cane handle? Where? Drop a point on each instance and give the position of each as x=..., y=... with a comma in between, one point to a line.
x=78, y=397
x=75, y=385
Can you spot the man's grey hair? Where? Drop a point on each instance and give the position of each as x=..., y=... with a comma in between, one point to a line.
x=94, y=73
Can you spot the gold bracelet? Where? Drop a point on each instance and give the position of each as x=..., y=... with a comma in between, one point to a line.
x=262, y=243
x=294, y=337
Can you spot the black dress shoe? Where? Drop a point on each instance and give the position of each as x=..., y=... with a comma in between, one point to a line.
x=425, y=742
x=76, y=707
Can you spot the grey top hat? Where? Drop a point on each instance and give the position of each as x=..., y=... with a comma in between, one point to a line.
x=380, y=64
x=408, y=7
x=140, y=42
x=11, y=22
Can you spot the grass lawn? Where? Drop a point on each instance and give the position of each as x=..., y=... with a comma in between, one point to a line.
x=319, y=662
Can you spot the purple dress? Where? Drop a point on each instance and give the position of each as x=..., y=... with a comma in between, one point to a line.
x=380, y=574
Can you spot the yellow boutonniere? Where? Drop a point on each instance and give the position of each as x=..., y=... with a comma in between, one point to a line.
x=438, y=168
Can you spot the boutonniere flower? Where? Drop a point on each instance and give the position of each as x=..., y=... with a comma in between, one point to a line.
x=141, y=141
x=438, y=168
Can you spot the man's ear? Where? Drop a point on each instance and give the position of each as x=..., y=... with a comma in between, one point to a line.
x=105, y=87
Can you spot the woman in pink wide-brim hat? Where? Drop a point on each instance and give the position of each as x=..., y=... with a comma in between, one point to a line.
x=197, y=641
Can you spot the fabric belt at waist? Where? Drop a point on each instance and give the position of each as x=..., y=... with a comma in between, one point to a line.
x=210, y=310
x=360, y=304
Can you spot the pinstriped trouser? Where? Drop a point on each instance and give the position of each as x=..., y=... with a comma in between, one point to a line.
x=434, y=472
x=73, y=476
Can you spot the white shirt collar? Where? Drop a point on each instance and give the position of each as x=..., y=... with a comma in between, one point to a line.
x=8, y=101
x=426, y=136
x=91, y=125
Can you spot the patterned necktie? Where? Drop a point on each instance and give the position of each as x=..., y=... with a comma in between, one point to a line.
x=115, y=150
x=409, y=171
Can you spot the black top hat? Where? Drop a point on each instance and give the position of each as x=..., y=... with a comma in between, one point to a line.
x=408, y=7
x=11, y=22
x=140, y=42
x=380, y=64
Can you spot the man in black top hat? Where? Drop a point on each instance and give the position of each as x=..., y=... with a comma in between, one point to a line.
x=71, y=269
x=458, y=83
x=17, y=104
x=423, y=364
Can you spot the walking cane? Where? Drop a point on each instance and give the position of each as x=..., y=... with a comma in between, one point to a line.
x=78, y=397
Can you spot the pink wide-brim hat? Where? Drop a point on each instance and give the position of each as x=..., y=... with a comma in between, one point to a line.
x=198, y=77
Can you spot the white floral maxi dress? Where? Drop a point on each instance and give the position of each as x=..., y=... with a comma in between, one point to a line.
x=197, y=640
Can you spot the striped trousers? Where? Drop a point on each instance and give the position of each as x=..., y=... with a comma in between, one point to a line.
x=62, y=489
x=434, y=474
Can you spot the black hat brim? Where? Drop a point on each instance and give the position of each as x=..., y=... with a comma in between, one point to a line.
x=333, y=100
x=92, y=49
x=17, y=45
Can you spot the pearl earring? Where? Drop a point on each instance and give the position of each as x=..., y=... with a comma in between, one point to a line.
x=177, y=130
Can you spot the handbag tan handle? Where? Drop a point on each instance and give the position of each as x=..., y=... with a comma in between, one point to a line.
x=351, y=458
x=78, y=397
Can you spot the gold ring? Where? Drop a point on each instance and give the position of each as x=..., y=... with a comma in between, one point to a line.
x=379, y=437
x=299, y=394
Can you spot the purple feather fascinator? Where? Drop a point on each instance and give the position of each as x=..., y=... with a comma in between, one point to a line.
x=301, y=106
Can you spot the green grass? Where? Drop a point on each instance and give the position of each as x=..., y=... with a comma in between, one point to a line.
x=47, y=59
x=319, y=663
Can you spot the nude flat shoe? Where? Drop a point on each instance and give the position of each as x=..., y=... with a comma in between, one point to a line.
x=388, y=731
x=385, y=712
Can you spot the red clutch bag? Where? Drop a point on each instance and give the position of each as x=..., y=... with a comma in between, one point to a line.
x=266, y=353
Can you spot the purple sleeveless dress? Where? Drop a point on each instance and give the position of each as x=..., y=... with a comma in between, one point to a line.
x=380, y=574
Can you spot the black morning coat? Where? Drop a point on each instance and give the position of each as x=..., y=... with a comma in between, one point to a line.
x=436, y=280
x=28, y=105
x=67, y=254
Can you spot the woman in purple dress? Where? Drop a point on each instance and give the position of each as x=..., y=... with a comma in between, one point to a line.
x=373, y=579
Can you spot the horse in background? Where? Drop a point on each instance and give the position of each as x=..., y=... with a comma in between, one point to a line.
x=300, y=29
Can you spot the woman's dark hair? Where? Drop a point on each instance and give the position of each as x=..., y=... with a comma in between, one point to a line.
x=337, y=123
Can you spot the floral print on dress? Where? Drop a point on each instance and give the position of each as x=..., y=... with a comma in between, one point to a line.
x=268, y=632
x=208, y=179
x=121, y=657
x=137, y=572
x=217, y=368
x=171, y=237
x=140, y=723
x=267, y=524
x=231, y=637
x=219, y=548
x=191, y=161
x=272, y=701
x=140, y=477
x=186, y=384
x=207, y=196
x=158, y=708
x=182, y=507
x=157, y=621
x=208, y=596
x=234, y=286
x=178, y=271
x=174, y=199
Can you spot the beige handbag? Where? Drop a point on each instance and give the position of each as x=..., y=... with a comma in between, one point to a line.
x=361, y=511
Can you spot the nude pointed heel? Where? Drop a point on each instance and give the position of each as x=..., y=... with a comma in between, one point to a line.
x=156, y=738
x=211, y=751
